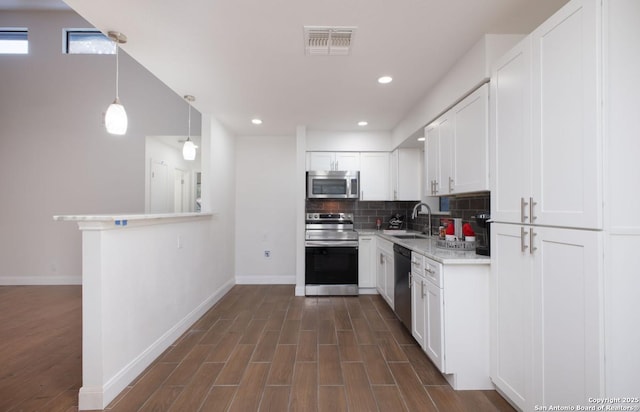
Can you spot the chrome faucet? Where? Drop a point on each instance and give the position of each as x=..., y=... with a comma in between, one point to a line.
x=414, y=214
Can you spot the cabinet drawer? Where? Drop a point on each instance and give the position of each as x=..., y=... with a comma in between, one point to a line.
x=433, y=272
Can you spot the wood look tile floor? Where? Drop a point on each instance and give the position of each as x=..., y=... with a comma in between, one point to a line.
x=259, y=349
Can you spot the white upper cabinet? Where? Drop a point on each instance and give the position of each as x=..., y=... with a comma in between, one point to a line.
x=471, y=143
x=406, y=174
x=431, y=158
x=456, y=148
x=546, y=138
x=511, y=134
x=333, y=161
x=374, y=176
x=567, y=140
x=438, y=147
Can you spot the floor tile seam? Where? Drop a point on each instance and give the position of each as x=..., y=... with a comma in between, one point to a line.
x=204, y=398
x=233, y=398
x=244, y=371
x=160, y=385
x=402, y=396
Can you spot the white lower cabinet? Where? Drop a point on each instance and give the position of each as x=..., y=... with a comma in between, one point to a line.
x=450, y=309
x=384, y=270
x=434, y=331
x=418, y=301
x=366, y=261
x=546, y=329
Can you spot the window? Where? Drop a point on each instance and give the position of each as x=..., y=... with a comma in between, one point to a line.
x=14, y=41
x=87, y=41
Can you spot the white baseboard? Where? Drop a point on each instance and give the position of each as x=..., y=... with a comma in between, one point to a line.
x=368, y=291
x=39, y=280
x=265, y=280
x=92, y=398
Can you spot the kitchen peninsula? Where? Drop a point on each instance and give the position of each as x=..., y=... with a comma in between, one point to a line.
x=144, y=282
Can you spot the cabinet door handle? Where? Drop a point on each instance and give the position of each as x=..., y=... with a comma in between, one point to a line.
x=532, y=248
x=435, y=187
x=409, y=280
x=523, y=236
x=523, y=206
x=337, y=167
x=451, y=185
x=429, y=270
x=422, y=288
x=531, y=205
x=381, y=259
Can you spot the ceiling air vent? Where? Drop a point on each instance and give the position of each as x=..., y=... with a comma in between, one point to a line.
x=328, y=41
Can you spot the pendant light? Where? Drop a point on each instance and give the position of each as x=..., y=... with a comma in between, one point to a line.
x=115, y=119
x=189, y=148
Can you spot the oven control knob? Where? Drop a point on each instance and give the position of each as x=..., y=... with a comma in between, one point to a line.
x=316, y=216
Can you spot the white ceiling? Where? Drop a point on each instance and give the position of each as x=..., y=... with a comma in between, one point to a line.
x=245, y=58
x=33, y=5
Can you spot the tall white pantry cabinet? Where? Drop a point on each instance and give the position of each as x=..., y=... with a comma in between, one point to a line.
x=566, y=239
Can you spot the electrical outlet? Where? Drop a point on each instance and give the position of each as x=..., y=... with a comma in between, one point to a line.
x=267, y=253
x=179, y=243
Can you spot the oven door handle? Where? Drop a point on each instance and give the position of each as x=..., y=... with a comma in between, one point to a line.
x=329, y=243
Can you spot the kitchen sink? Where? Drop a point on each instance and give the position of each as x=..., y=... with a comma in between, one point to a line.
x=410, y=236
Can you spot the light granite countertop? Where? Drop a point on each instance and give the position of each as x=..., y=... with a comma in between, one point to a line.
x=427, y=247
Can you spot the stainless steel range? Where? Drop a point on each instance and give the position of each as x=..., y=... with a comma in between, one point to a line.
x=331, y=252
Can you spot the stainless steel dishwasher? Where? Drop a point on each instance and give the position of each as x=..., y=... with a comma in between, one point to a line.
x=402, y=291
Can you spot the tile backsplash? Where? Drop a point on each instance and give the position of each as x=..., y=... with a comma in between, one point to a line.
x=366, y=213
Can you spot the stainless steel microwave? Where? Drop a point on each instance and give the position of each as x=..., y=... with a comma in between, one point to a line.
x=333, y=184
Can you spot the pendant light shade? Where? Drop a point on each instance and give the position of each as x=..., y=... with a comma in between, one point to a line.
x=115, y=119
x=189, y=148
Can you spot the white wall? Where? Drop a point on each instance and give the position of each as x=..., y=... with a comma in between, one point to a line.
x=157, y=150
x=55, y=156
x=218, y=197
x=266, y=209
x=467, y=73
x=375, y=141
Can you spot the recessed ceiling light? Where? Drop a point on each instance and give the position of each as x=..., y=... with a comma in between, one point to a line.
x=256, y=121
x=422, y=139
x=385, y=79
x=362, y=123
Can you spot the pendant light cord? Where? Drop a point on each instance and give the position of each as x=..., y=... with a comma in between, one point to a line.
x=189, y=128
x=117, y=72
